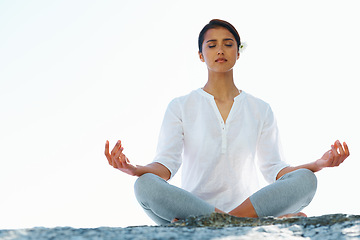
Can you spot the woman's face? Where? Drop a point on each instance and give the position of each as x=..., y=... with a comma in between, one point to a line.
x=219, y=50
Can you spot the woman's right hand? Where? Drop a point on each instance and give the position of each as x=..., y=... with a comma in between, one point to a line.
x=118, y=160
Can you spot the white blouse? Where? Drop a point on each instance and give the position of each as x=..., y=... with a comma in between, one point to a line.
x=219, y=157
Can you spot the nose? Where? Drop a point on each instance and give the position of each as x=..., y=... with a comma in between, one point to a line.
x=220, y=51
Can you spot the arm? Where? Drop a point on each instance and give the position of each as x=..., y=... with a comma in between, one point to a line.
x=170, y=147
x=118, y=160
x=332, y=158
x=270, y=158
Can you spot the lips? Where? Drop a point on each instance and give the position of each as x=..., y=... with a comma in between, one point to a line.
x=221, y=60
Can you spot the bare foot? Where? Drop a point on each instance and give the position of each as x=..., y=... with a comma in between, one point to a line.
x=174, y=220
x=216, y=210
x=219, y=211
x=300, y=214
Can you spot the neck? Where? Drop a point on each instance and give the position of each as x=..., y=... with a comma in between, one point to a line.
x=221, y=86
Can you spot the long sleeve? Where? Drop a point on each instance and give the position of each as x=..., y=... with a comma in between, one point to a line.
x=219, y=159
x=269, y=151
x=170, y=143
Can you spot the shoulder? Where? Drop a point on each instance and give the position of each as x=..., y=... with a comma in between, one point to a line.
x=256, y=103
x=189, y=99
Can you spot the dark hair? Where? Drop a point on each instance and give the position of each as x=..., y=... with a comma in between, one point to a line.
x=216, y=23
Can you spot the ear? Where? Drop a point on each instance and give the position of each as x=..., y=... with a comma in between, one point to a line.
x=201, y=56
x=238, y=55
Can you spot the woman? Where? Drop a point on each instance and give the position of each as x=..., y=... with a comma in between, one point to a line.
x=215, y=132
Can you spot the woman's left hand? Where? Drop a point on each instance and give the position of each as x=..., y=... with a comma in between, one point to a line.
x=334, y=157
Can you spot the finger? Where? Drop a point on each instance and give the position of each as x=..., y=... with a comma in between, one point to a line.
x=340, y=157
x=346, y=148
x=345, y=153
x=118, y=161
x=116, y=148
x=127, y=161
x=118, y=153
x=107, y=154
x=115, y=163
x=339, y=146
x=107, y=148
x=334, y=151
x=333, y=156
x=124, y=161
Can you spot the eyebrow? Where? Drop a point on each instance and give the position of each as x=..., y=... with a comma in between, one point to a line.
x=225, y=39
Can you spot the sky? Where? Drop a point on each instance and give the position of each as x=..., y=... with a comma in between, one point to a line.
x=74, y=74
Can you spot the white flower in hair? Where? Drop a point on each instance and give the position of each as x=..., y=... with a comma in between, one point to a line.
x=242, y=47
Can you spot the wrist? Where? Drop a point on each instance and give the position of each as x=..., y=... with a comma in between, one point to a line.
x=139, y=170
x=317, y=166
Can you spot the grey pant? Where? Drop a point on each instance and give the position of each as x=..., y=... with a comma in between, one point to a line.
x=163, y=202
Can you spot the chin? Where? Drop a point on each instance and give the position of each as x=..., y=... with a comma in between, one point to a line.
x=221, y=70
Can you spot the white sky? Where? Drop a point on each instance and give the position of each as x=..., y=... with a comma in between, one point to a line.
x=76, y=73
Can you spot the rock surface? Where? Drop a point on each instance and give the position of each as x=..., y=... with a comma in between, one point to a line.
x=215, y=226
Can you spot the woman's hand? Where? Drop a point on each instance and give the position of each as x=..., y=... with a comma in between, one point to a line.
x=334, y=157
x=118, y=160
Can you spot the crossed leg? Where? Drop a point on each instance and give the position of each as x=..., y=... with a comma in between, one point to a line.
x=164, y=202
x=286, y=197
